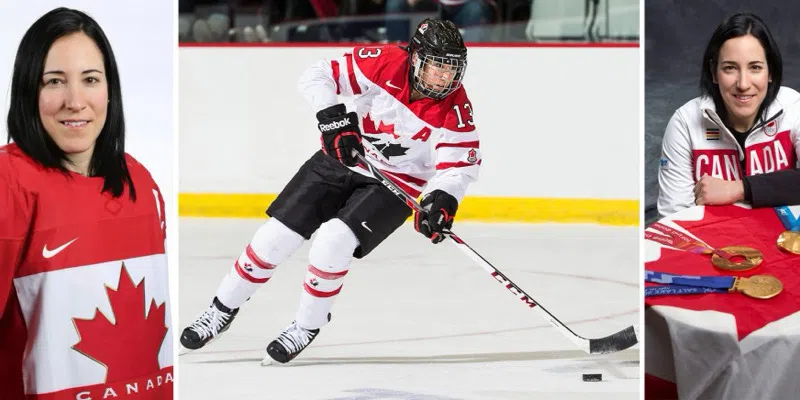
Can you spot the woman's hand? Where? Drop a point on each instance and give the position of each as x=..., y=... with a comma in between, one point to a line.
x=715, y=192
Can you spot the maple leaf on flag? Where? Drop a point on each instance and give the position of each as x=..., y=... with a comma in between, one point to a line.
x=129, y=347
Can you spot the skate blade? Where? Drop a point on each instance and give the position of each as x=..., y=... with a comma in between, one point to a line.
x=183, y=350
x=268, y=361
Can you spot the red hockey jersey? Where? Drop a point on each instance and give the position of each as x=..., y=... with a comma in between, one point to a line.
x=84, y=305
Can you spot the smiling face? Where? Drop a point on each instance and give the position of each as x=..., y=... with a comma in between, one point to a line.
x=73, y=97
x=743, y=78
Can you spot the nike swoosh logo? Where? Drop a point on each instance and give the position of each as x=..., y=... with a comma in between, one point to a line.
x=51, y=253
x=364, y=224
x=389, y=84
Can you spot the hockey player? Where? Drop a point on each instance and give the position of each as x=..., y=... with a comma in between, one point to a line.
x=406, y=99
x=744, y=123
x=83, y=272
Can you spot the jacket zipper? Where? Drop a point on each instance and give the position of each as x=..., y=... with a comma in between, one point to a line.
x=715, y=119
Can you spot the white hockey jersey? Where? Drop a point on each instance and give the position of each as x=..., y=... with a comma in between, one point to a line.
x=697, y=143
x=399, y=135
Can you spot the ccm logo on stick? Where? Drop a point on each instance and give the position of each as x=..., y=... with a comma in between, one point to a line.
x=512, y=289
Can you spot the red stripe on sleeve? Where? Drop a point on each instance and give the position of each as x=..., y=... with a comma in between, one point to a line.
x=408, y=189
x=352, y=74
x=335, y=67
x=405, y=177
x=474, y=144
x=456, y=164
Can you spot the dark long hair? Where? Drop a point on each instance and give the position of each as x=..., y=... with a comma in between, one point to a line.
x=24, y=124
x=736, y=26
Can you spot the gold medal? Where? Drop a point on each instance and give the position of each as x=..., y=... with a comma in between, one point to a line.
x=752, y=258
x=758, y=286
x=789, y=241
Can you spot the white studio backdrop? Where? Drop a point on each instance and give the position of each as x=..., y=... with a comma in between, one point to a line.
x=142, y=36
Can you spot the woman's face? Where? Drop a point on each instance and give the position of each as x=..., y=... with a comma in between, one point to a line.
x=437, y=76
x=743, y=77
x=73, y=96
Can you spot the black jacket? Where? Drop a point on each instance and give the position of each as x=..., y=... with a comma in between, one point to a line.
x=779, y=188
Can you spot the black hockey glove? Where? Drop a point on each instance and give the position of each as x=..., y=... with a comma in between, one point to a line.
x=439, y=209
x=340, y=134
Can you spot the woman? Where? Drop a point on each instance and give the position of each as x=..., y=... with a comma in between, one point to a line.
x=403, y=96
x=81, y=228
x=744, y=123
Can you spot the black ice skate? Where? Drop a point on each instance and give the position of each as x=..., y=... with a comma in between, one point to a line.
x=214, y=320
x=290, y=343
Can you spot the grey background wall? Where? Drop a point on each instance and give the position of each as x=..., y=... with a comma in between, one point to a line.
x=676, y=33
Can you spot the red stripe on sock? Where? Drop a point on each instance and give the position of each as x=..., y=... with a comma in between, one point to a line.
x=326, y=275
x=259, y=262
x=316, y=293
x=247, y=276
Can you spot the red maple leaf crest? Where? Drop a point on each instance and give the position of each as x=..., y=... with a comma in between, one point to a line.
x=369, y=127
x=129, y=347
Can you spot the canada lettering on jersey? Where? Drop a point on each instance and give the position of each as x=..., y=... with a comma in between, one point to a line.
x=721, y=164
x=771, y=156
x=760, y=158
x=140, y=387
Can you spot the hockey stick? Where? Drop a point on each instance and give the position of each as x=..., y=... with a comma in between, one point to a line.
x=609, y=344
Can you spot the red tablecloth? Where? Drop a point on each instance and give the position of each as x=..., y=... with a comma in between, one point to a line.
x=720, y=345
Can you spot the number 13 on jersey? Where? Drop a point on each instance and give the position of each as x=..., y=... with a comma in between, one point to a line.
x=468, y=108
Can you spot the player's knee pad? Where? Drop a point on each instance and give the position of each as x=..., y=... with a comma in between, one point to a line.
x=332, y=249
x=329, y=259
x=272, y=244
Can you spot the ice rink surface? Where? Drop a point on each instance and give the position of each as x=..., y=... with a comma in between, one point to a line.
x=419, y=321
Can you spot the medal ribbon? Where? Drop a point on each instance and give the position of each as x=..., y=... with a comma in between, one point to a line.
x=787, y=219
x=673, y=290
x=685, y=284
x=676, y=239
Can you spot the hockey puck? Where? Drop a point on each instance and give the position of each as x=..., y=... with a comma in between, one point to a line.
x=592, y=377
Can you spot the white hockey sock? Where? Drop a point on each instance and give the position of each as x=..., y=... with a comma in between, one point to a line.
x=271, y=245
x=329, y=260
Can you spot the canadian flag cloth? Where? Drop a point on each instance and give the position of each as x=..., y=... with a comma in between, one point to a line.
x=724, y=345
